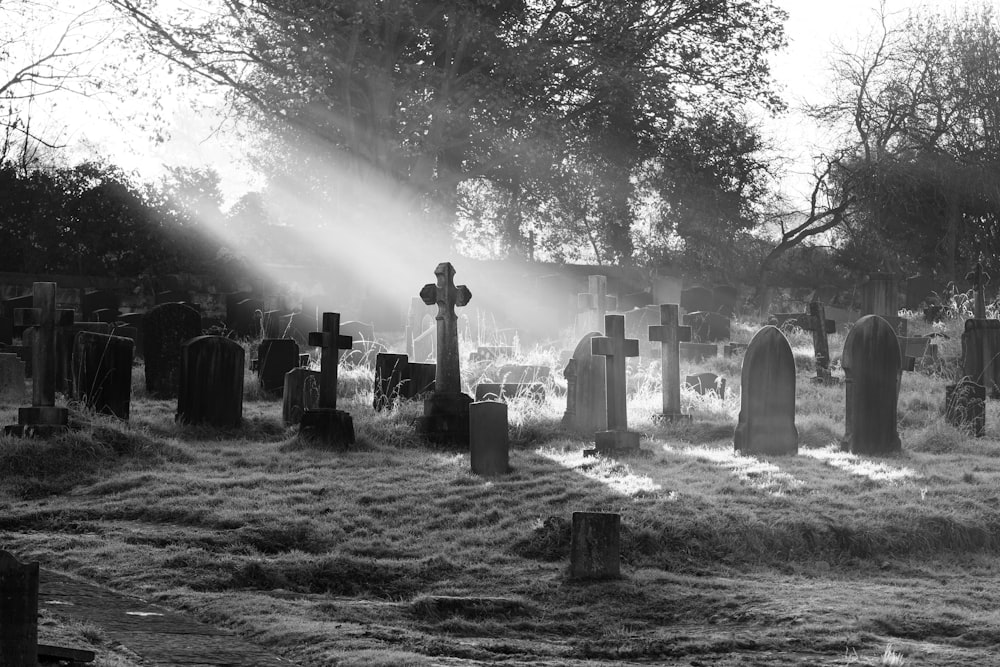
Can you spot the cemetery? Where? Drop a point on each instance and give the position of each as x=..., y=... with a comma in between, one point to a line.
x=599, y=501
x=562, y=334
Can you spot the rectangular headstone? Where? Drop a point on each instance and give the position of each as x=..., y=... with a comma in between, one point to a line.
x=18, y=612
x=595, y=546
x=12, y=387
x=211, y=382
x=102, y=372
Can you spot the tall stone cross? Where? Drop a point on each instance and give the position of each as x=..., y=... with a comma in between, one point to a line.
x=332, y=342
x=979, y=279
x=446, y=295
x=615, y=348
x=44, y=316
x=669, y=334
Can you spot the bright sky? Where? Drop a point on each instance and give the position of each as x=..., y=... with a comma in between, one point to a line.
x=814, y=26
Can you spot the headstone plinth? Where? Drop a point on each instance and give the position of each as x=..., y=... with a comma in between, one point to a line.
x=615, y=443
x=328, y=427
x=301, y=393
x=39, y=421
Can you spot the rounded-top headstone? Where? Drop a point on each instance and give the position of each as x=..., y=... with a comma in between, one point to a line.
x=767, y=396
x=872, y=365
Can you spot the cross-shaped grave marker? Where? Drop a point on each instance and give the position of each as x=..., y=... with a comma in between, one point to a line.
x=446, y=411
x=814, y=320
x=669, y=334
x=616, y=348
x=979, y=280
x=43, y=417
x=327, y=424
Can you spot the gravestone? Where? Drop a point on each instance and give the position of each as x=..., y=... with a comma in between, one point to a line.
x=595, y=546
x=815, y=321
x=981, y=354
x=390, y=373
x=446, y=411
x=164, y=329
x=707, y=327
x=489, y=446
x=767, y=397
x=12, y=388
x=18, y=612
x=364, y=347
x=6, y=330
x=301, y=393
x=102, y=373
x=697, y=299
x=501, y=391
x=880, y=296
x=697, y=352
x=419, y=379
x=326, y=425
x=965, y=406
x=43, y=418
x=871, y=363
x=615, y=348
x=9, y=306
x=586, y=390
x=726, y=299
x=211, y=381
x=64, y=350
x=669, y=334
x=634, y=300
x=703, y=383
x=275, y=357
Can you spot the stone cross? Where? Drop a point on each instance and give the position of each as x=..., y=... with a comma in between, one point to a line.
x=669, y=333
x=616, y=348
x=446, y=295
x=815, y=321
x=979, y=279
x=332, y=342
x=44, y=316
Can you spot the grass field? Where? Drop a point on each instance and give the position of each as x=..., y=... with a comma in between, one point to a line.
x=394, y=553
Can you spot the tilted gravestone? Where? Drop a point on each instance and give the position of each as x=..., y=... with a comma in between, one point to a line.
x=326, y=425
x=871, y=362
x=301, y=393
x=586, y=390
x=446, y=411
x=707, y=327
x=275, y=357
x=43, y=418
x=211, y=382
x=102, y=373
x=595, y=546
x=767, y=397
x=615, y=348
x=669, y=334
x=965, y=406
x=489, y=446
x=164, y=329
x=12, y=388
x=65, y=338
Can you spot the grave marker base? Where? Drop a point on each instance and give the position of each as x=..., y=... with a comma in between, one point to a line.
x=329, y=427
x=446, y=419
x=39, y=421
x=614, y=443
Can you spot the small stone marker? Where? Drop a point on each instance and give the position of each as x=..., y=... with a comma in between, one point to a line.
x=489, y=446
x=586, y=390
x=326, y=425
x=703, y=383
x=43, y=418
x=446, y=411
x=211, y=382
x=275, y=357
x=18, y=612
x=164, y=329
x=595, y=546
x=301, y=393
x=102, y=373
x=965, y=406
x=669, y=334
x=12, y=388
x=615, y=348
x=767, y=397
x=871, y=363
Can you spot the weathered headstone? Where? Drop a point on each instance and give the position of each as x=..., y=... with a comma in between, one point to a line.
x=18, y=612
x=697, y=299
x=669, y=334
x=707, y=327
x=880, y=296
x=871, y=362
x=275, y=357
x=102, y=372
x=12, y=388
x=211, y=382
x=767, y=397
x=446, y=411
x=981, y=353
x=390, y=373
x=965, y=406
x=164, y=329
x=64, y=350
x=703, y=383
x=43, y=418
x=489, y=446
x=595, y=546
x=419, y=379
x=301, y=393
x=615, y=348
x=326, y=424
x=586, y=390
